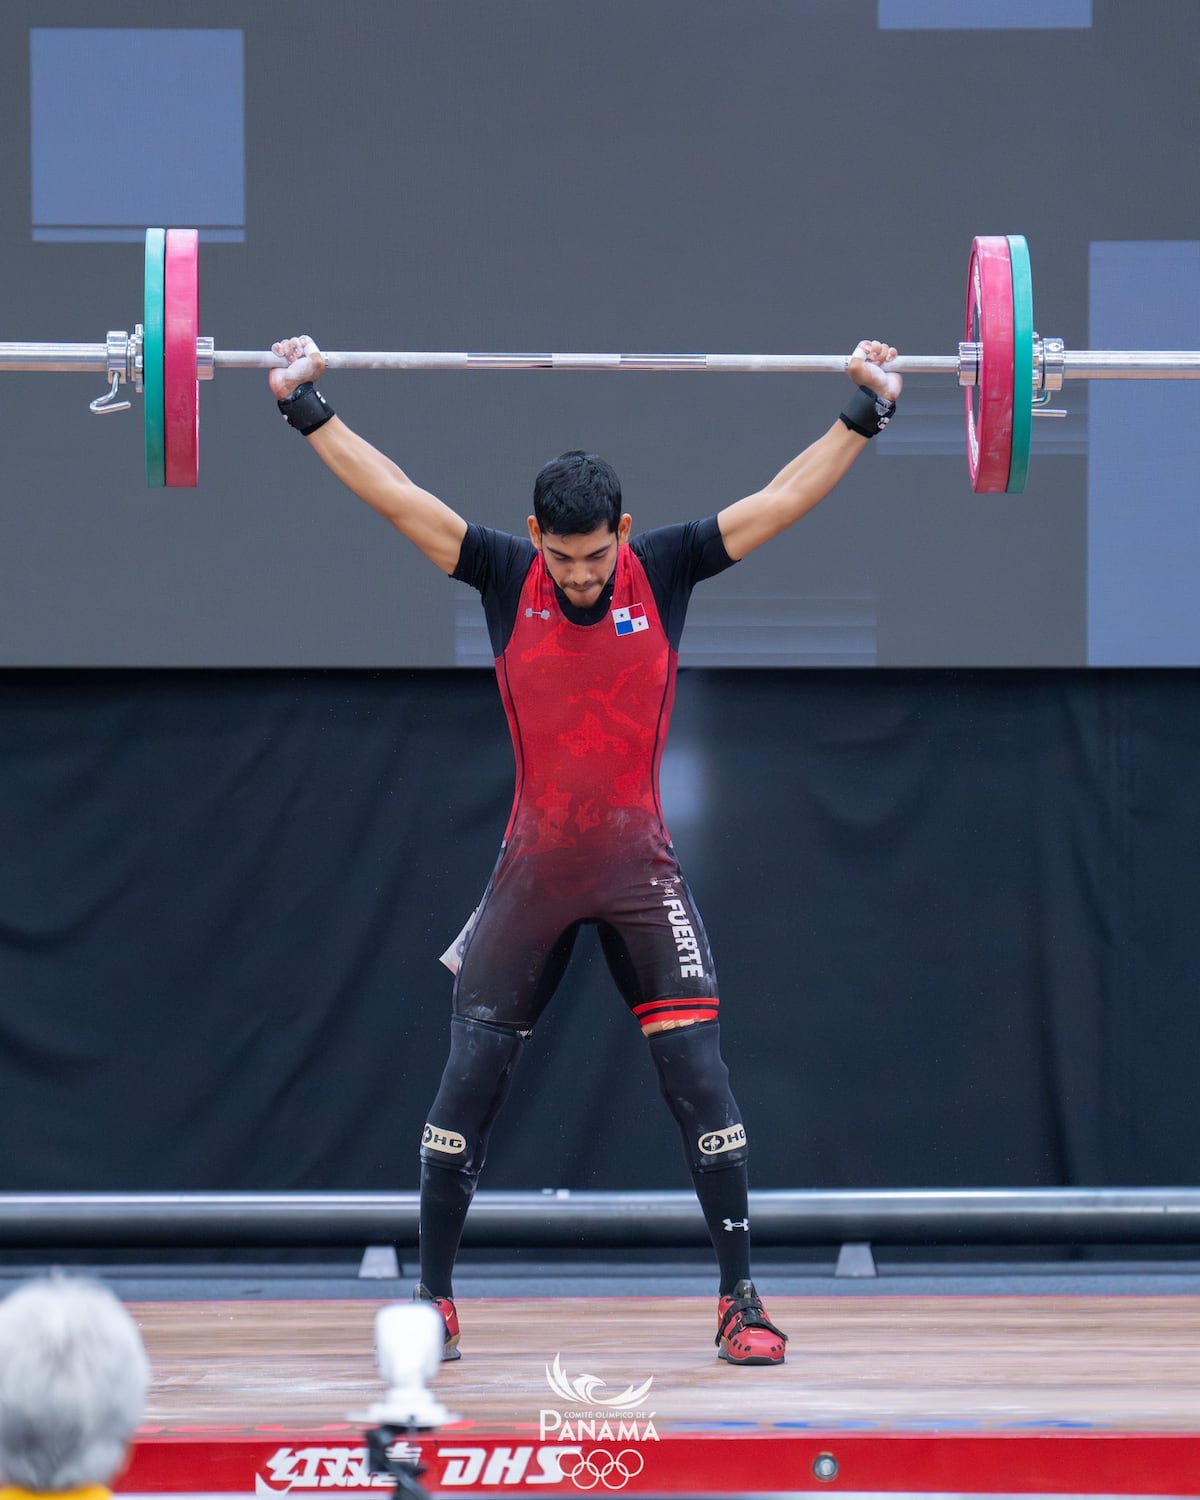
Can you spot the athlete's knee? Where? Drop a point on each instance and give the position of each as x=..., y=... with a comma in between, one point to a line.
x=652, y=1028
x=695, y=1084
x=475, y=1083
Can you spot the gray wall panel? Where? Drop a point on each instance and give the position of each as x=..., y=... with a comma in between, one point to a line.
x=689, y=174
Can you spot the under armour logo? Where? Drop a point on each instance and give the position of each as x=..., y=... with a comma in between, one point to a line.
x=731, y=1224
x=542, y=614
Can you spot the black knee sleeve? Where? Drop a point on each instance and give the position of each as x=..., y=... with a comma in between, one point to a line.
x=475, y=1084
x=695, y=1084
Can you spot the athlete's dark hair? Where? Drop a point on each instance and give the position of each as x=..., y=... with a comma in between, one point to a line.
x=576, y=493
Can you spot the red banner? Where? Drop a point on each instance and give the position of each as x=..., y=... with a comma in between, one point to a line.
x=462, y=1460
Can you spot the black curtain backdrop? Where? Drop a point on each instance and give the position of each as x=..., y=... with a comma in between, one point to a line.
x=953, y=913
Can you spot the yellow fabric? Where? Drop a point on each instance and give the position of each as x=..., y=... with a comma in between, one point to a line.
x=85, y=1492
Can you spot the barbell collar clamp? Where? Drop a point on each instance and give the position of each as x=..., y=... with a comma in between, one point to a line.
x=116, y=360
x=1049, y=364
x=117, y=354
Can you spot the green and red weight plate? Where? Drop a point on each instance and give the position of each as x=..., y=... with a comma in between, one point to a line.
x=152, y=358
x=181, y=315
x=999, y=406
x=169, y=380
x=990, y=400
x=1022, y=417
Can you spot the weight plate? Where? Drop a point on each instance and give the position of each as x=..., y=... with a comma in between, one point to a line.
x=1022, y=416
x=181, y=316
x=990, y=400
x=152, y=357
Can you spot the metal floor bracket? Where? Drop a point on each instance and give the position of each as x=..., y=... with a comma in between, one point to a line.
x=379, y=1263
x=856, y=1258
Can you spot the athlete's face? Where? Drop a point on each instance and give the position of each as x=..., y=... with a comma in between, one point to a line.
x=581, y=564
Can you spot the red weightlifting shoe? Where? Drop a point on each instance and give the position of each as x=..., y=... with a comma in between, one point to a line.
x=445, y=1306
x=745, y=1335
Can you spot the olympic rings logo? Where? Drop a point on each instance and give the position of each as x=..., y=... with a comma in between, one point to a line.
x=613, y=1471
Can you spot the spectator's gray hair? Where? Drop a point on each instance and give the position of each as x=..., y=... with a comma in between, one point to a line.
x=73, y=1382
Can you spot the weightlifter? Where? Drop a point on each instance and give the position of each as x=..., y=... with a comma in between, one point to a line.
x=585, y=621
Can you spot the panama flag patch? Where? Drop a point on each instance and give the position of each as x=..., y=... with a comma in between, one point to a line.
x=627, y=621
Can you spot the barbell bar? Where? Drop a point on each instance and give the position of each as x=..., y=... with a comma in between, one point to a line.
x=1008, y=372
x=1072, y=364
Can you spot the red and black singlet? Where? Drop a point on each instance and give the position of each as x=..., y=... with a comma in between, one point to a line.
x=588, y=696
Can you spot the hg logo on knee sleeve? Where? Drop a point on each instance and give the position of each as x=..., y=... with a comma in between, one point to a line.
x=448, y=1141
x=713, y=1142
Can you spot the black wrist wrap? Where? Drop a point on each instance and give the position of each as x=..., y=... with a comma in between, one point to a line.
x=305, y=409
x=866, y=413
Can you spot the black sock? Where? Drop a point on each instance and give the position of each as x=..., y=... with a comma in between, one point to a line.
x=724, y=1201
x=445, y=1198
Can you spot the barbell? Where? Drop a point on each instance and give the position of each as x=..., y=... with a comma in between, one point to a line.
x=1007, y=370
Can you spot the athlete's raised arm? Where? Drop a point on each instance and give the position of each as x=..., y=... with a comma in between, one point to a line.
x=810, y=476
x=425, y=520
